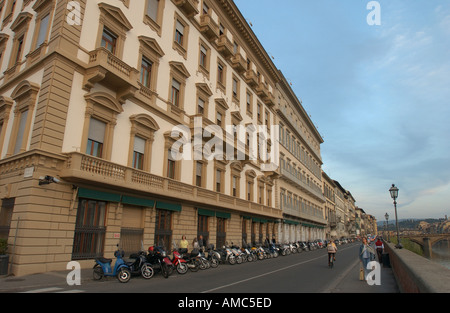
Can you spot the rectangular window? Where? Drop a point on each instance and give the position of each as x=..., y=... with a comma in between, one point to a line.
x=6, y=212
x=220, y=74
x=219, y=119
x=218, y=180
x=203, y=56
x=21, y=132
x=170, y=166
x=249, y=103
x=234, y=186
x=138, y=153
x=202, y=228
x=198, y=174
x=109, y=40
x=201, y=106
x=146, y=72
x=152, y=9
x=19, y=50
x=42, y=36
x=235, y=88
x=205, y=9
x=163, y=229
x=176, y=87
x=90, y=230
x=221, y=235
x=95, y=138
x=179, y=33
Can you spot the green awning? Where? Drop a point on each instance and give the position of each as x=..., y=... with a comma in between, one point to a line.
x=223, y=215
x=138, y=201
x=98, y=195
x=205, y=212
x=168, y=206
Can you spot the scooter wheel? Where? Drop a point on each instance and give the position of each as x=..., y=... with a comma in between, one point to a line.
x=124, y=275
x=182, y=268
x=98, y=272
x=147, y=271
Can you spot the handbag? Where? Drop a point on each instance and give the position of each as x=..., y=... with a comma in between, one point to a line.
x=361, y=272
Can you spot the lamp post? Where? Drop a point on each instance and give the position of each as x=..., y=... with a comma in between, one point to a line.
x=394, y=194
x=386, y=216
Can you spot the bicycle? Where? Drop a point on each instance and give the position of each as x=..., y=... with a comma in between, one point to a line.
x=330, y=260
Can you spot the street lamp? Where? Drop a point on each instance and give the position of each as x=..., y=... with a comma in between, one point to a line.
x=394, y=194
x=386, y=216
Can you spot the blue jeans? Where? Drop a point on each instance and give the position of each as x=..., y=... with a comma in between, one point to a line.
x=365, y=261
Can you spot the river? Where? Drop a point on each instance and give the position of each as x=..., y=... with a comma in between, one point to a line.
x=441, y=253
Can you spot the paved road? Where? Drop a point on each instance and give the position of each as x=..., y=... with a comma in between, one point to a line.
x=304, y=272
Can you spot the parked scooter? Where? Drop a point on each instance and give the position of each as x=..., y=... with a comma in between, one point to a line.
x=157, y=257
x=140, y=266
x=178, y=262
x=213, y=256
x=103, y=268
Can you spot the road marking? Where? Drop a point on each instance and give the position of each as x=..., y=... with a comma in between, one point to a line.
x=267, y=273
x=72, y=291
x=51, y=289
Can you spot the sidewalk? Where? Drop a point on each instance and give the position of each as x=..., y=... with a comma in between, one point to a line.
x=349, y=282
x=12, y=284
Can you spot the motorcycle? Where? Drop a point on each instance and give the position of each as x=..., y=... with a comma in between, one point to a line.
x=213, y=256
x=158, y=259
x=192, y=260
x=237, y=253
x=140, y=266
x=273, y=250
x=178, y=262
x=103, y=268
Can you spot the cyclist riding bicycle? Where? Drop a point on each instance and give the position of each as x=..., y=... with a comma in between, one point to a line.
x=332, y=249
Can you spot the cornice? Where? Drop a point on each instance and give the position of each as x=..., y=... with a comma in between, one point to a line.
x=239, y=22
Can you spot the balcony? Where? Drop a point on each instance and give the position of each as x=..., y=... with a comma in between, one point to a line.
x=209, y=28
x=107, y=69
x=238, y=63
x=188, y=7
x=81, y=168
x=262, y=91
x=269, y=100
x=225, y=46
x=310, y=189
x=251, y=78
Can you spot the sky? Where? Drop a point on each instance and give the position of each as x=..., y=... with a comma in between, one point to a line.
x=378, y=94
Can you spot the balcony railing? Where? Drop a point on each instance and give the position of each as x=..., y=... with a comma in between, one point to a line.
x=311, y=189
x=209, y=27
x=188, y=7
x=85, y=168
x=225, y=46
x=111, y=71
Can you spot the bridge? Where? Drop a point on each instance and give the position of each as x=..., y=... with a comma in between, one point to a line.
x=426, y=241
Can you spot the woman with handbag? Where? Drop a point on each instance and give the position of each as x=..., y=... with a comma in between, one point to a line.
x=366, y=254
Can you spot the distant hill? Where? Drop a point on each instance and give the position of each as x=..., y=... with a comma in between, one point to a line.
x=406, y=223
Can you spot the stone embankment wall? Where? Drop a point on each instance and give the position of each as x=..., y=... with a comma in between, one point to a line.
x=416, y=274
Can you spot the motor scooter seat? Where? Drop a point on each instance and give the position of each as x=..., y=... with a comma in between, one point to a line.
x=103, y=260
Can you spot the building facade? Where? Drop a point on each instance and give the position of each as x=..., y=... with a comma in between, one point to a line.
x=93, y=102
x=299, y=184
x=109, y=115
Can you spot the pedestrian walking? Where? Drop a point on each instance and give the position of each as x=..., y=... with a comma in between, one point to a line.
x=366, y=254
x=379, y=247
